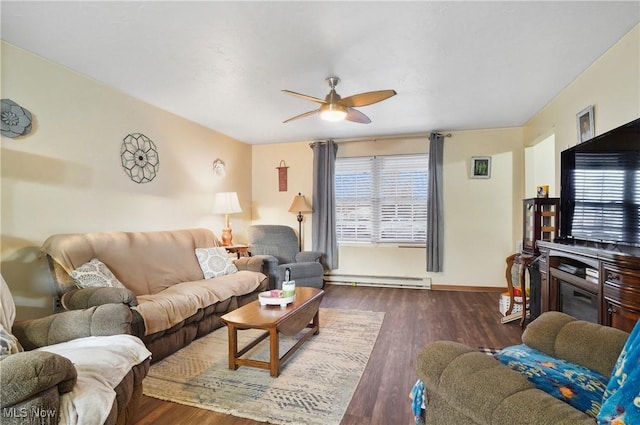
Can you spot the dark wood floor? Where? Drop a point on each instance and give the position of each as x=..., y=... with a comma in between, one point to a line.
x=413, y=318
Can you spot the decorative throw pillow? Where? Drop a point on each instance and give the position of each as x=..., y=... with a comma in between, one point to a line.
x=95, y=274
x=621, y=401
x=215, y=262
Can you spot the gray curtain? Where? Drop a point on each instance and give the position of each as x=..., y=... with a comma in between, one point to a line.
x=324, y=217
x=435, y=224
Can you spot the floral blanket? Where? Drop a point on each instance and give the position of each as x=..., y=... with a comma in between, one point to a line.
x=621, y=403
x=582, y=388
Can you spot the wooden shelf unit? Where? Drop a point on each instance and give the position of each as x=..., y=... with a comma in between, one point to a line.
x=540, y=221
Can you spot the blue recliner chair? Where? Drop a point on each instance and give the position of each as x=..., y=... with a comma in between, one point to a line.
x=278, y=247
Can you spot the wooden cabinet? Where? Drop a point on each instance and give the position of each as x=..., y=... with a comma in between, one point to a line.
x=540, y=222
x=601, y=284
x=621, y=296
x=543, y=268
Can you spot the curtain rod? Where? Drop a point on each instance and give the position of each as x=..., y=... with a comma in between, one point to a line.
x=373, y=139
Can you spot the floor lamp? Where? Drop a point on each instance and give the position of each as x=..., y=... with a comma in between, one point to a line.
x=226, y=203
x=300, y=206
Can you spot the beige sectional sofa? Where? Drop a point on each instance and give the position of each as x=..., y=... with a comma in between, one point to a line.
x=164, y=284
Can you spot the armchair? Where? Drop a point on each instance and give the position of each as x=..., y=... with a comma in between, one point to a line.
x=53, y=374
x=279, y=250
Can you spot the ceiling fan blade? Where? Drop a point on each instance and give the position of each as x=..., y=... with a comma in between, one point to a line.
x=304, y=96
x=315, y=111
x=357, y=116
x=364, y=99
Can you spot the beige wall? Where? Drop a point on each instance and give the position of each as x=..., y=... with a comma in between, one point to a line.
x=540, y=167
x=467, y=203
x=611, y=84
x=482, y=216
x=269, y=205
x=66, y=175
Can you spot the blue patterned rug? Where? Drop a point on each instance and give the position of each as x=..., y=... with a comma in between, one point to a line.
x=314, y=388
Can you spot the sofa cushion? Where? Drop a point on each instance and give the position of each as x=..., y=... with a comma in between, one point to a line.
x=582, y=388
x=165, y=309
x=588, y=344
x=95, y=274
x=29, y=373
x=215, y=262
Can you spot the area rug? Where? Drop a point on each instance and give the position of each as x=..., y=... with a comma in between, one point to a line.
x=315, y=385
x=489, y=350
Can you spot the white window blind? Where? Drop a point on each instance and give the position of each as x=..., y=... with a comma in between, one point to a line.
x=382, y=199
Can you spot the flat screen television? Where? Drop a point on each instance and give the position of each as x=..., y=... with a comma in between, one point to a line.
x=600, y=188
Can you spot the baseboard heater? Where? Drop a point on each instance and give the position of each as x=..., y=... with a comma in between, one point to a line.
x=382, y=281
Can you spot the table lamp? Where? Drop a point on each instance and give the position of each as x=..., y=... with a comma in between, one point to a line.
x=300, y=205
x=226, y=203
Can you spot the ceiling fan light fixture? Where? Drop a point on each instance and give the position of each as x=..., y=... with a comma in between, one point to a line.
x=333, y=112
x=335, y=108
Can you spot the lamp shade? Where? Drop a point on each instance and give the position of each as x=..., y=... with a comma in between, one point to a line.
x=300, y=205
x=333, y=112
x=226, y=203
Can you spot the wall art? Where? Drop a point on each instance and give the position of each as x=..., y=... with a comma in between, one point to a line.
x=16, y=120
x=282, y=176
x=139, y=158
x=585, y=122
x=481, y=167
x=219, y=167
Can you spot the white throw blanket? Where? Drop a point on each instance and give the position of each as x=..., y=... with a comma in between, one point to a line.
x=101, y=362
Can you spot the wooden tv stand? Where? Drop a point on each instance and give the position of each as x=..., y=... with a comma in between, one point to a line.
x=616, y=288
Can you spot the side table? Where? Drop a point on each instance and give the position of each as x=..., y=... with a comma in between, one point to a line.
x=522, y=262
x=239, y=250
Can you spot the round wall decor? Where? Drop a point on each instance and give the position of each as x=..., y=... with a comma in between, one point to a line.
x=139, y=158
x=16, y=120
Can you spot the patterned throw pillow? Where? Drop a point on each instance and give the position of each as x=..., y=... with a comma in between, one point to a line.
x=621, y=402
x=95, y=274
x=215, y=262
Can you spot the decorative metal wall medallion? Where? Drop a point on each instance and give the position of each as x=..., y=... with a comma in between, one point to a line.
x=16, y=120
x=139, y=158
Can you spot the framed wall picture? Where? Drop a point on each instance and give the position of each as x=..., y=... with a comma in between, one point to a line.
x=480, y=167
x=586, y=128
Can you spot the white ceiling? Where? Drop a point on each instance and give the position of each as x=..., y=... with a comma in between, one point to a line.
x=455, y=65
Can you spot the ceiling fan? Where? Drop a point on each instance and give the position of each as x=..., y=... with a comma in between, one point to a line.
x=335, y=108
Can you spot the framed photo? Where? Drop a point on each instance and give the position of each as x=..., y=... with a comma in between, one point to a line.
x=586, y=128
x=542, y=191
x=480, y=167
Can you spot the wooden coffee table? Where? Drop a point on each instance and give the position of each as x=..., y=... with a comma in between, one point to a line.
x=302, y=313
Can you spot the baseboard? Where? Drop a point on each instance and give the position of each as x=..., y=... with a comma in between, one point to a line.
x=439, y=287
x=378, y=281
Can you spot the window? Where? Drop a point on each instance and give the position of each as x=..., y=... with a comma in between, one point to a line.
x=382, y=199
